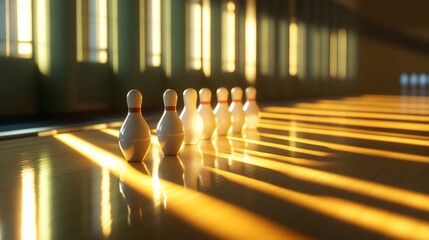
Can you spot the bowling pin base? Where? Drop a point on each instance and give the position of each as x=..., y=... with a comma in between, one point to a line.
x=135, y=151
x=171, y=144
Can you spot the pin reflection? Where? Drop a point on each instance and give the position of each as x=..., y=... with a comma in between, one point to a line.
x=208, y=160
x=223, y=145
x=172, y=170
x=192, y=161
x=132, y=198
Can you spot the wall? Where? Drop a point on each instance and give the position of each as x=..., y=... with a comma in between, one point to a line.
x=382, y=63
x=70, y=86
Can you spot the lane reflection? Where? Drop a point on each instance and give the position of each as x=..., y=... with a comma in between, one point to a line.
x=28, y=204
x=338, y=113
x=357, y=150
x=187, y=204
x=335, y=106
x=281, y=146
x=380, y=221
x=376, y=190
x=350, y=121
x=105, y=204
x=283, y=126
x=44, y=196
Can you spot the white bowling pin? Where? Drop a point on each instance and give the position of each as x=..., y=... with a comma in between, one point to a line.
x=206, y=111
x=134, y=135
x=191, y=119
x=223, y=116
x=170, y=130
x=251, y=108
x=236, y=109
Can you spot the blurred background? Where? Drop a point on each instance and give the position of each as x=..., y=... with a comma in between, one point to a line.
x=83, y=56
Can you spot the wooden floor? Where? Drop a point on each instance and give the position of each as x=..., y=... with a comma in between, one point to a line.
x=351, y=168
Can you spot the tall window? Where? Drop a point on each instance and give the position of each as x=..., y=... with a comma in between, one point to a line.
x=333, y=55
x=250, y=43
x=92, y=34
x=194, y=37
x=16, y=35
x=228, y=36
x=198, y=35
x=153, y=20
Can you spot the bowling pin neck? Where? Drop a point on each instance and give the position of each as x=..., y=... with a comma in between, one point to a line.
x=134, y=110
x=251, y=99
x=170, y=108
x=205, y=102
x=223, y=102
x=237, y=100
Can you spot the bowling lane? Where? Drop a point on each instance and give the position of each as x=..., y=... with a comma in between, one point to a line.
x=305, y=173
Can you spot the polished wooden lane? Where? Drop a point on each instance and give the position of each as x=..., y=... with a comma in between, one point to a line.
x=322, y=169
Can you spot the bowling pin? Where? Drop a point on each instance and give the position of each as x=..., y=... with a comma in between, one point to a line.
x=170, y=130
x=251, y=108
x=134, y=135
x=223, y=116
x=206, y=111
x=191, y=119
x=236, y=109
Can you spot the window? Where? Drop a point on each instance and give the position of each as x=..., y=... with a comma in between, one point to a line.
x=194, y=34
x=342, y=53
x=91, y=30
x=333, y=55
x=153, y=13
x=228, y=36
x=250, y=43
x=293, y=48
x=16, y=35
x=198, y=35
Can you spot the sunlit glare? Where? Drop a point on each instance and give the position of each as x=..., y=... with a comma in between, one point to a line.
x=105, y=205
x=357, y=150
x=44, y=197
x=42, y=33
x=195, y=36
x=376, y=190
x=350, y=133
x=102, y=30
x=351, y=121
x=206, y=32
x=187, y=204
x=339, y=106
x=380, y=221
x=250, y=43
x=25, y=25
x=281, y=146
x=293, y=49
x=28, y=214
x=228, y=38
x=154, y=28
x=338, y=113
